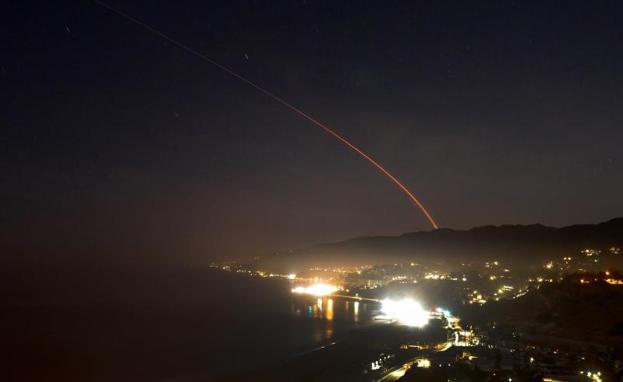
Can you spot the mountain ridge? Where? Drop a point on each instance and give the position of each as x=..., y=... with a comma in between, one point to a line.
x=508, y=242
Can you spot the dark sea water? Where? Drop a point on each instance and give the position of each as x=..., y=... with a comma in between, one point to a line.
x=258, y=322
x=179, y=326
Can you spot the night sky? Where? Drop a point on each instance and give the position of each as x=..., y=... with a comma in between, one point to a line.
x=118, y=146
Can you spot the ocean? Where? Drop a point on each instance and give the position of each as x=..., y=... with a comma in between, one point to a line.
x=177, y=326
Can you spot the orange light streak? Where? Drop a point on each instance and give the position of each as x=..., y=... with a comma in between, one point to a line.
x=296, y=110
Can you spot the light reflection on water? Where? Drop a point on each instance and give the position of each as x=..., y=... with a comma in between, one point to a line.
x=329, y=313
x=331, y=308
x=331, y=316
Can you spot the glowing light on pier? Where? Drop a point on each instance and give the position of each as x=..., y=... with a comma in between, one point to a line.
x=407, y=312
x=318, y=290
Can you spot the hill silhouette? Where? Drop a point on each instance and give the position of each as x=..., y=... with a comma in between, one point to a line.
x=514, y=244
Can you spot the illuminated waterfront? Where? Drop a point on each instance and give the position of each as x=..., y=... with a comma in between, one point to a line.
x=424, y=304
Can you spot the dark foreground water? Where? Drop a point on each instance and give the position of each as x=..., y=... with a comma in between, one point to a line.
x=181, y=326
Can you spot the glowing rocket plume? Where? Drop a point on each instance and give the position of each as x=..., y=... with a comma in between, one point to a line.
x=328, y=130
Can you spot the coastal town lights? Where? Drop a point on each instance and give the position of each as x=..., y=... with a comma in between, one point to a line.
x=317, y=290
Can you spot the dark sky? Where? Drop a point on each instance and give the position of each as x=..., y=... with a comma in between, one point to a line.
x=116, y=145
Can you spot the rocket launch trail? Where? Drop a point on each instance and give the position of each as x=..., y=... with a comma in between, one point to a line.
x=293, y=108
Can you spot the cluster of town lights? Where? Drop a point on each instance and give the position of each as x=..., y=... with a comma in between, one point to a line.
x=317, y=290
x=594, y=376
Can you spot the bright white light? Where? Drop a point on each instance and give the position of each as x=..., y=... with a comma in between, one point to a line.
x=407, y=312
x=318, y=290
x=422, y=362
x=292, y=276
